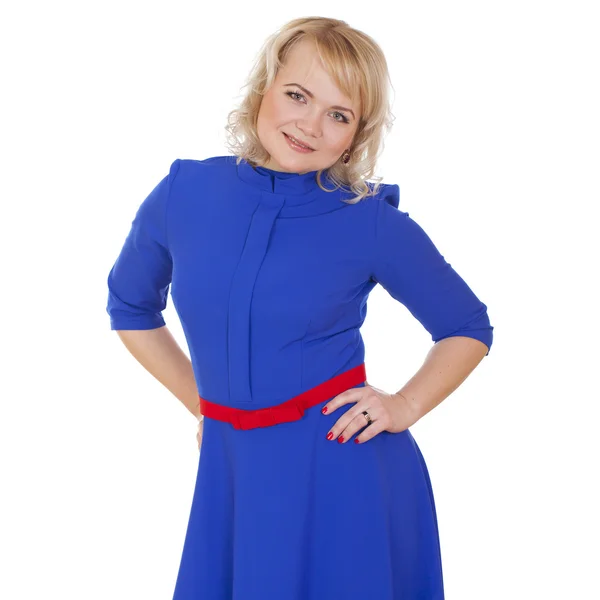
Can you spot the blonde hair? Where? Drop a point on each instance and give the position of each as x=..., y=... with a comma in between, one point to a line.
x=358, y=67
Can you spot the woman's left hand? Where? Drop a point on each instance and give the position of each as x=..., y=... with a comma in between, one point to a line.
x=388, y=412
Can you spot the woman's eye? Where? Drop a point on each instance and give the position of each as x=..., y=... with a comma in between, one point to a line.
x=344, y=119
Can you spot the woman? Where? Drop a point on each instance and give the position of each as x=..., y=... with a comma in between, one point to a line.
x=270, y=255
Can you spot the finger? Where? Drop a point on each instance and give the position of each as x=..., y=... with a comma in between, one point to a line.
x=359, y=422
x=351, y=395
x=369, y=432
x=355, y=425
x=350, y=422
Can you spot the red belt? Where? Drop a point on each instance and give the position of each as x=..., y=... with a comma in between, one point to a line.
x=291, y=410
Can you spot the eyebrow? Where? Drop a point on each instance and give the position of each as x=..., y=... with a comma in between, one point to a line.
x=309, y=93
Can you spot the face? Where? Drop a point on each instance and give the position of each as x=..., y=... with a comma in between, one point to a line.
x=319, y=115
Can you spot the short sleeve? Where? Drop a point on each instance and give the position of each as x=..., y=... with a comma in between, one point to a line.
x=413, y=271
x=139, y=280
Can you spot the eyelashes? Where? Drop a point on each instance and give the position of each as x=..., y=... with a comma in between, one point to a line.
x=344, y=118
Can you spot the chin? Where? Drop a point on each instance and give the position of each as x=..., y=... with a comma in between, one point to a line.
x=284, y=164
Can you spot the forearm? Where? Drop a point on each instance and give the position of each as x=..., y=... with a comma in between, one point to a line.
x=446, y=366
x=158, y=352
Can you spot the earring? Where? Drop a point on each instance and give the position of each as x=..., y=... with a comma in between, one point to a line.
x=346, y=157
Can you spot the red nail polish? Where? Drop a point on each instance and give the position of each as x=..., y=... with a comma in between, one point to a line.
x=356, y=441
x=324, y=410
x=329, y=435
x=341, y=439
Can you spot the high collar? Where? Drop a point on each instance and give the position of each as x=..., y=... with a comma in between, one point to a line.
x=298, y=195
x=279, y=182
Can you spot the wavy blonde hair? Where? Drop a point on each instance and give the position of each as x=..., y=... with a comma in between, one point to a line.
x=358, y=67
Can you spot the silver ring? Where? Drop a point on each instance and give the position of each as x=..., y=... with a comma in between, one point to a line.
x=368, y=417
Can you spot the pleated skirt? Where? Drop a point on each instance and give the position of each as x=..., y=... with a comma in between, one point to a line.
x=282, y=513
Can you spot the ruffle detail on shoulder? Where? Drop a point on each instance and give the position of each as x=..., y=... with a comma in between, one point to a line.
x=391, y=194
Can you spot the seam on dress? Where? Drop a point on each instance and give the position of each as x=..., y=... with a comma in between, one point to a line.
x=302, y=353
x=374, y=244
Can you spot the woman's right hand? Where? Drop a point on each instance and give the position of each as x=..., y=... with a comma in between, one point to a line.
x=200, y=431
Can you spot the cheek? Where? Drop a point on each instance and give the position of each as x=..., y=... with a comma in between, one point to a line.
x=275, y=112
x=267, y=115
x=338, y=140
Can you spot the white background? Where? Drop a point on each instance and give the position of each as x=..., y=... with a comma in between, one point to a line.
x=495, y=148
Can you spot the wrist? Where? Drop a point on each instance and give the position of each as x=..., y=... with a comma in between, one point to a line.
x=409, y=406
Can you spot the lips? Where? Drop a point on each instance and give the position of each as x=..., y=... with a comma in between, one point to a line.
x=299, y=142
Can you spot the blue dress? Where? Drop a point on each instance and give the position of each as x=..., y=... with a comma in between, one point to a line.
x=270, y=276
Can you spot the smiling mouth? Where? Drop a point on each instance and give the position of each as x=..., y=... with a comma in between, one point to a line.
x=298, y=142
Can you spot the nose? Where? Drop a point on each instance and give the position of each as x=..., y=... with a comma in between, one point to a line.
x=310, y=125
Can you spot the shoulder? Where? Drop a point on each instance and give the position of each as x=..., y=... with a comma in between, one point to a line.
x=378, y=206
x=391, y=224
x=389, y=193
x=190, y=168
x=382, y=202
x=188, y=176
x=385, y=193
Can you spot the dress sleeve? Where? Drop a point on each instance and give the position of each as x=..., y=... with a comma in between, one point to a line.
x=412, y=270
x=139, y=280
